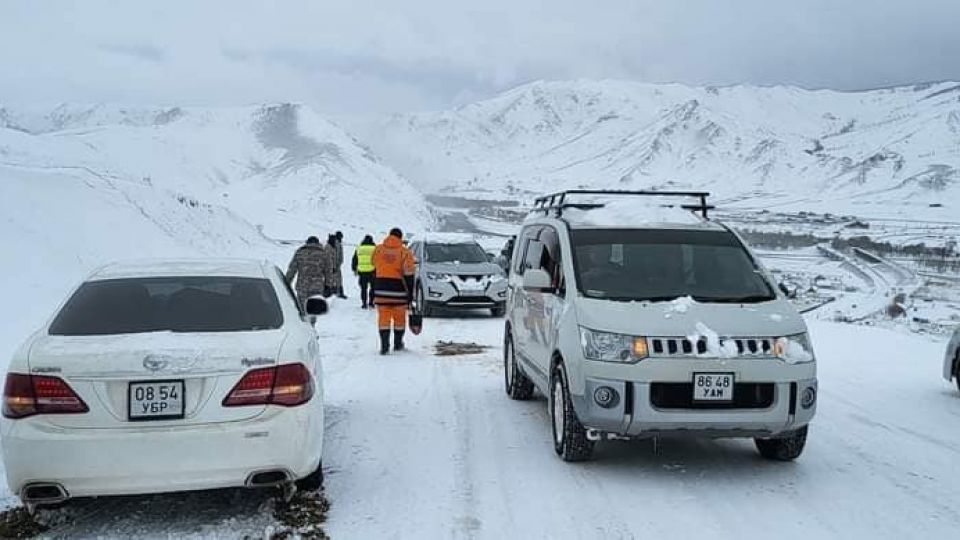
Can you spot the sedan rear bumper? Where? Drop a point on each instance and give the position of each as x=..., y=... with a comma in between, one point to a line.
x=140, y=460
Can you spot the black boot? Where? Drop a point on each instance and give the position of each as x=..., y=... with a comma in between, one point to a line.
x=384, y=341
x=398, y=340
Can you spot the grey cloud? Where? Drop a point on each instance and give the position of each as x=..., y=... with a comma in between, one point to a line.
x=138, y=51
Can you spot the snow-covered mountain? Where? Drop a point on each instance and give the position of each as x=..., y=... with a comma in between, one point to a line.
x=878, y=152
x=281, y=166
x=84, y=185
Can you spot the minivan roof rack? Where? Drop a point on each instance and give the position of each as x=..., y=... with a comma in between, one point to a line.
x=557, y=202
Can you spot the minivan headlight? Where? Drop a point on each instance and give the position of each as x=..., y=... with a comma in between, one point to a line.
x=795, y=349
x=610, y=347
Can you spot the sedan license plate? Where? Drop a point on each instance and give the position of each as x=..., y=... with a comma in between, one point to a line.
x=713, y=386
x=156, y=400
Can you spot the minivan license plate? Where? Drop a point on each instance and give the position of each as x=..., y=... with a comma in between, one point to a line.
x=713, y=386
x=156, y=400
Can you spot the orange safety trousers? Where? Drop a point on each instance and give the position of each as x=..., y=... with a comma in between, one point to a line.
x=395, y=314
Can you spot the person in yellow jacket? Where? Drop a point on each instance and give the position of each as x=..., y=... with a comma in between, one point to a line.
x=362, y=265
x=394, y=267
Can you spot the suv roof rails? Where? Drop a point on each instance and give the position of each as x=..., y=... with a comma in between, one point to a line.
x=558, y=201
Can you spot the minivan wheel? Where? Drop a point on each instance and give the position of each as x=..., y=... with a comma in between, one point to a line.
x=517, y=385
x=956, y=370
x=785, y=448
x=312, y=481
x=569, y=436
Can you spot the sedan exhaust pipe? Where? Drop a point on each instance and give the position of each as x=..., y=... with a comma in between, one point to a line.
x=269, y=478
x=39, y=494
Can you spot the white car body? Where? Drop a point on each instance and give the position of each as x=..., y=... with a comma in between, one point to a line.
x=104, y=452
x=951, y=359
x=652, y=394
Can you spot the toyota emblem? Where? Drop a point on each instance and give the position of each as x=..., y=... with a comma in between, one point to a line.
x=154, y=363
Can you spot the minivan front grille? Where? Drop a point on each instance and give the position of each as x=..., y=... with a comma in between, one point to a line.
x=681, y=346
x=680, y=396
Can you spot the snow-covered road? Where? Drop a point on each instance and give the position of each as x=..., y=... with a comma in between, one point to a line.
x=422, y=446
x=430, y=447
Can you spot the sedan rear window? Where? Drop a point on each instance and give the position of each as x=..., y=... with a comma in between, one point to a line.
x=175, y=304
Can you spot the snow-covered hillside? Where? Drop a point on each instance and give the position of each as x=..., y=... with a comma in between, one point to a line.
x=278, y=166
x=80, y=186
x=881, y=152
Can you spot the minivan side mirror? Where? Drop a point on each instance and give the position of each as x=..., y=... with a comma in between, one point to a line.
x=316, y=305
x=537, y=279
x=787, y=291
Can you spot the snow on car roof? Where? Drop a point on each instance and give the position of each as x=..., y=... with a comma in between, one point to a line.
x=445, y=238
x=632, y=213
x=181, y=267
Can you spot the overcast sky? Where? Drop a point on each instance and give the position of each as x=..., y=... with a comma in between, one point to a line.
x=356, y=56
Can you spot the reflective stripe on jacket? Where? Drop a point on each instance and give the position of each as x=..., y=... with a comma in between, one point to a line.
x=365, y=258
x=394, y=268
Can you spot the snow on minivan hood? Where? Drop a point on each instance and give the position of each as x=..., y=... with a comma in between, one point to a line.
x=679, y=318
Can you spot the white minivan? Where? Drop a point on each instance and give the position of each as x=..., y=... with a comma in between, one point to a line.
x=637, y=316
x=167, y=376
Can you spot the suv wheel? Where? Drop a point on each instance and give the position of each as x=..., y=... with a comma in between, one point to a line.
x=517, y=384
x=786, y=448
x=422, y=303
x=569, y=436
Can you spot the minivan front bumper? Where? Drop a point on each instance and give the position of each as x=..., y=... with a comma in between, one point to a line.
x=646, y=409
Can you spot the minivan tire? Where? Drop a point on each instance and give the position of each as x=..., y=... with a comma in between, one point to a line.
x=570, y=440
x=784, y=448
x=313, y=481
x=517, y=385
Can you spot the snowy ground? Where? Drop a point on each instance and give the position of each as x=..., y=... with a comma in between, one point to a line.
x=430, y=447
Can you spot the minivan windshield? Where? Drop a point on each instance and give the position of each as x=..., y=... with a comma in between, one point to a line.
x=661, y=265
x=176, y=304
x=462, y=253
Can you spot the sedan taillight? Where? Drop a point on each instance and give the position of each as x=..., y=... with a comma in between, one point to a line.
x=27, y=395
x=288, y=385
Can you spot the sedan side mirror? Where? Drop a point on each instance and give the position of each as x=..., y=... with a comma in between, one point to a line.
x=537, y=279
x=316, y=305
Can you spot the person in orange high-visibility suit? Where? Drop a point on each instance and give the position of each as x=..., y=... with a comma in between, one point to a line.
x=394, y=266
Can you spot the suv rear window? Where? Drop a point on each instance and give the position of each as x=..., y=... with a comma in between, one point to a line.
x=660, y=265
x=176, y=304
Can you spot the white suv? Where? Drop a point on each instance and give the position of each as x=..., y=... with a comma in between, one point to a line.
x=637, y=316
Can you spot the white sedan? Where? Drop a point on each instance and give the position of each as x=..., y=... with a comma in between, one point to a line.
x=951, y=360
x=167, y=376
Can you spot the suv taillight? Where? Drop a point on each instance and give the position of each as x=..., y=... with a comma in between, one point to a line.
x=288, y=385
x=27, y=395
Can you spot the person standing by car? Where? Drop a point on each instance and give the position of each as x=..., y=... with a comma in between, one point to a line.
x=335, y=282
x=339, y=255
x=362, y=265
x=394, y=267
x=310, y=267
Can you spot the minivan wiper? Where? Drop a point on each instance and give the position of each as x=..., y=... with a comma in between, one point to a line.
x=750, y=299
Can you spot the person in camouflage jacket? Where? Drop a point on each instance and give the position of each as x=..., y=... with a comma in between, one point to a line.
x=311, y=267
